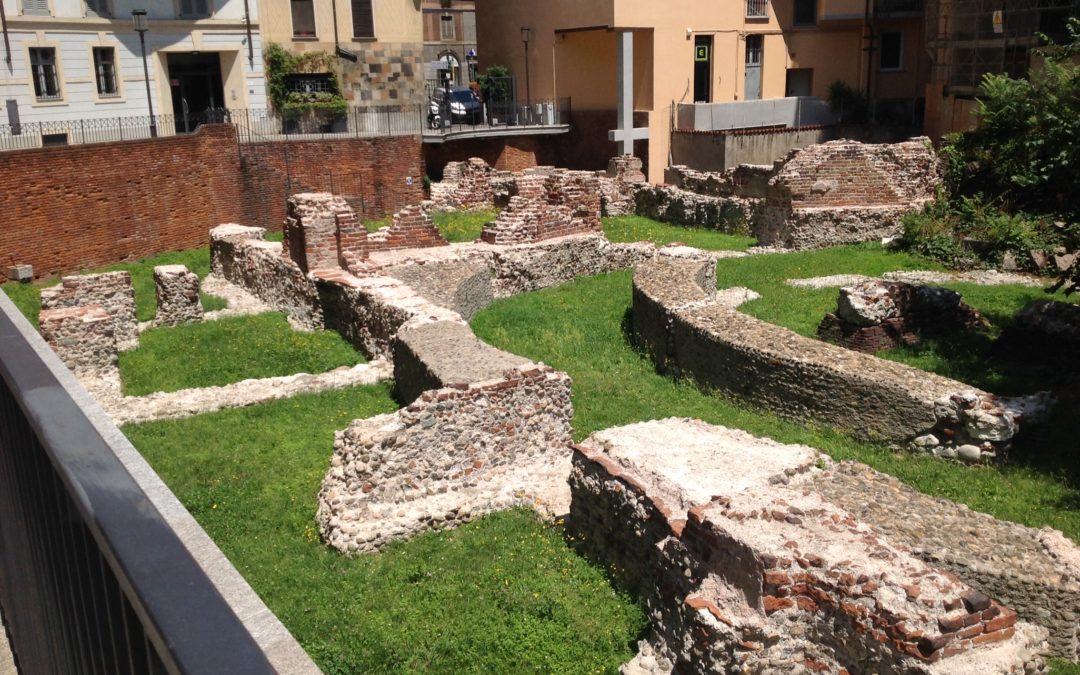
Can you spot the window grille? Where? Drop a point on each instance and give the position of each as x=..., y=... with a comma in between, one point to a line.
x=43, y=68
x=105, y=71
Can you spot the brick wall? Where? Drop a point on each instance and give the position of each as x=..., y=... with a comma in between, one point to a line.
x=84, y=206
x=72, y=208
x=371, y=174
x=505, y=154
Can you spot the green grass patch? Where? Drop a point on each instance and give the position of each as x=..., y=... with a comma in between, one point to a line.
x=215, y=353
x=462, y=226
x=628, y=229
x=27, y=297
x=503, y=594
x=580, y=328
x=378, y=224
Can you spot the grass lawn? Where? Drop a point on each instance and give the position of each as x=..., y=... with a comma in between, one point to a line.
x=27, y=297
x=580, y=328
x=220, y=352
x=503, y=594
x=635, y=228
x=463, y=226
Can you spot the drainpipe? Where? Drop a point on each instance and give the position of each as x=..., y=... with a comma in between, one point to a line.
x=333, y=5
x=4, y=27
x=868, y=26
x=247, y=26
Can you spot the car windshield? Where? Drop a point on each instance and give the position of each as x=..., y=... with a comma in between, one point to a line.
x=463, y=96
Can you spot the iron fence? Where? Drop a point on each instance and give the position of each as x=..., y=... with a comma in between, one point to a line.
x=92, y=578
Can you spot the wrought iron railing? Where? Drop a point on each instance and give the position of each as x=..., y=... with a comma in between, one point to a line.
x=256, y=125
x=757, y=9
x=93, y=578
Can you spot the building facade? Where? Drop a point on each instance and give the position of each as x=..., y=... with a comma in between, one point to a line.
x=657, y=55
x=380, y=45
x=449, y=42
x=81, y=61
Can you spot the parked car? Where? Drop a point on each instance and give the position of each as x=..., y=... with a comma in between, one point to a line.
x=463, y=105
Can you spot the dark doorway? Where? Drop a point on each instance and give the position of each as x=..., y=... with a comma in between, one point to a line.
x=195, y=80
x=703, y=45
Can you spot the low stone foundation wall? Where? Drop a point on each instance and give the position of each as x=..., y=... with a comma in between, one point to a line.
x=678, y=321
x=178, y=300
x=445, y=354
x=673, y=205
x=84, y=337
x=452, y=455
x=747, y=569
x=111, y=291
x=461, y=285
x=1036, y=572
x=241, y=256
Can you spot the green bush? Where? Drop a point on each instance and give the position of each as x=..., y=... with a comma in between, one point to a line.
x=851, y=105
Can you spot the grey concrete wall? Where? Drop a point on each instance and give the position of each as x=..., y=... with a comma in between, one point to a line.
x=719, y=151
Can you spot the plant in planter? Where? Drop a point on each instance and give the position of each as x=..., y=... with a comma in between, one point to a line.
x=305, y=89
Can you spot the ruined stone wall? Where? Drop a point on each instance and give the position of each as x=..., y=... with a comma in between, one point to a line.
x=411, y=227
x=799, y=377
x=112, y=291
x=531, y=267
x=453, y=454
x=673, y=205
x=844, y=192
x=548, y=205
x=746, y=181
x=464, y=185
x=241, y=256
x=83, y=336
x=178, y=300
x=752, y=570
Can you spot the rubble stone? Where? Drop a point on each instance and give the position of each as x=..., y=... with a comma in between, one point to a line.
x=546, y=206
x=112, y=291
x=83, y=336
x=178, y=299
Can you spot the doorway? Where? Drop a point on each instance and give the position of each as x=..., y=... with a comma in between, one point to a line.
x=195, y=80
x=754, y=49
x=703, y=45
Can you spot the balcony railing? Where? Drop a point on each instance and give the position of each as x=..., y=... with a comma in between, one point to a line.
x=93, y=577
x=757, y=9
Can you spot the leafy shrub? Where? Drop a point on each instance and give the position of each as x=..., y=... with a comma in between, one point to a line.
x=280, y=63
x=852, y=106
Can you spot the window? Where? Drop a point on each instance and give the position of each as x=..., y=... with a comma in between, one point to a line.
x=303, y=18
x=805, y=12
x=363, y=22
x=194, y=9
x=98, y=8
x=43, y=68
x=447, y=32
x=757, y=9
x=892, y=50
x=105, y=71
x=39, y=7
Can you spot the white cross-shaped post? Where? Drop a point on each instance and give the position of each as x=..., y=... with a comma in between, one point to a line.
x=626, y=134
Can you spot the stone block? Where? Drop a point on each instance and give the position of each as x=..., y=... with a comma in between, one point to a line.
x=178, y=299
x=112, y=291
x=83, y=336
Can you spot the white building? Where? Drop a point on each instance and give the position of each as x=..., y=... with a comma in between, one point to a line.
x=78, y=63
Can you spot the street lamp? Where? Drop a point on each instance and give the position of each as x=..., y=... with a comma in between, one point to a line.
x=526, y=34
x=141, y=23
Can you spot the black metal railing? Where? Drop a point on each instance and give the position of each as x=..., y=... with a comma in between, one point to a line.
x=257, y=126
x=92, y=577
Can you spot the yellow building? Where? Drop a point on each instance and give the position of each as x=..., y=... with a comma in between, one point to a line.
x=381, y=43
x=697, y=51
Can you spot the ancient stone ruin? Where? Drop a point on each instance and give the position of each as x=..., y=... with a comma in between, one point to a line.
x=178, y=299
x=111, y=291
x=680, y=323
x=465, y=185
x=546, y=205
x=747, y=567
x=84, y=337
x=875, y=315
x=1046, y=331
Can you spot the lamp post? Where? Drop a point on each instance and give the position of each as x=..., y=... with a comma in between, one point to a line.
x=526, y=34
x=141, y=23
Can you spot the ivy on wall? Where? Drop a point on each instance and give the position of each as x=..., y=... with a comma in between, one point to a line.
x=281, y=63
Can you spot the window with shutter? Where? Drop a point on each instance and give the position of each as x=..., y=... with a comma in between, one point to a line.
x=36, y=7
x=194, y=8
x=362, y=19
x=43, y=69
x=105, y=71
x=98, y=8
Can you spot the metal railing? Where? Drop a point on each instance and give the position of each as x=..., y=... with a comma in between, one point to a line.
x=93, y=579
x=757, y=9
x=257, y=126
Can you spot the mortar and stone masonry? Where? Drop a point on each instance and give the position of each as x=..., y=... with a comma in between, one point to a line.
x=679, y=322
